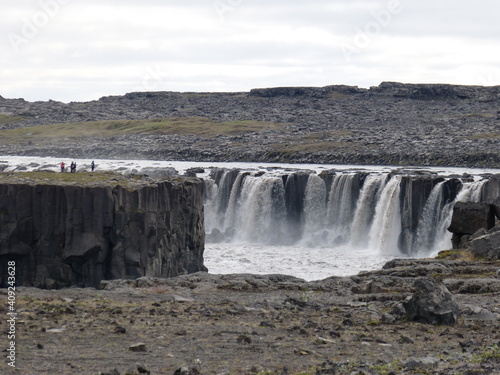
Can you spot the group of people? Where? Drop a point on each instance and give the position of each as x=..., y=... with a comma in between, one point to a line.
x=73, y=166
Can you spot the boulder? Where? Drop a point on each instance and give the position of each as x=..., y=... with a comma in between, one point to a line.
x=487, y=245
x=469, y=217
x=490, y=191
x=496, y=207
x=432, y=303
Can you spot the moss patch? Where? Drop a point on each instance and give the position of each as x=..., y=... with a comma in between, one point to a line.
x=79, y=178
x=106, y=129
x=4, y=119
x=486, y=136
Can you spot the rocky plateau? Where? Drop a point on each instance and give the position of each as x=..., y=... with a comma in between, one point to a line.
x=391, y=124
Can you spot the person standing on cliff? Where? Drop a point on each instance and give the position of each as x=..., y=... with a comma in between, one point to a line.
x=62, y=166
x=92, y=165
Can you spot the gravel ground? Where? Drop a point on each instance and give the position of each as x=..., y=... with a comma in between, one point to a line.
x=250, y=324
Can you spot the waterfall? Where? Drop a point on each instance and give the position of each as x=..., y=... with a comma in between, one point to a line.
x=358, y=210
x=314, y=211
x=340, y=209
x=365, y=209
x=432, y=232
x=428, y=233
x=261, y=217
x=386, y=227
x=210, y=193
x=471, y=192
x=234, y=202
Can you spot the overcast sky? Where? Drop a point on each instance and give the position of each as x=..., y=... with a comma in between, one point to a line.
x=76, y=50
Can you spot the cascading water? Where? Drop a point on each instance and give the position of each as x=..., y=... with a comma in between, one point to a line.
x=340, y=206
x=314, y=211
x=333, y=213
x=432, y=233
x=434, y=213
x=386, y=227
x=365, y=210
x=261, y=215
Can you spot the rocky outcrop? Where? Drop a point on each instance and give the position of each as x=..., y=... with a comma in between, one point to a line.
x=64, y=235
x=436, y=91
x=486, y=245
x=490, y=192
x=469, y=217
x=475, y=228
x=313, y=92
x=432, y=303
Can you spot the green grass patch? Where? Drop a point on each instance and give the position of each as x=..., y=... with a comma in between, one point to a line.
x=491, y=354
x=106, y=129
x=337, y=95
x=388, y=368
x=449, y=254
x=486, y=136
x=9, y=119
x=67, y=178
x=483, y=115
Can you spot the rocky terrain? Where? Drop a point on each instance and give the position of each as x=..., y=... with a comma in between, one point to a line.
x=394, y=123
x=412, y=317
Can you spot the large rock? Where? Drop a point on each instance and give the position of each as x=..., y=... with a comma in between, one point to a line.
x=432, y=303
x=68, y=235
x=469, y=217
x=488, y=245
x=490, y=191
x=496, y=206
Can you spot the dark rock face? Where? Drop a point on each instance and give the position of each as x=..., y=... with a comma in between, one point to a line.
x=295, y=188
x=436, y=91
x=74, y=235
x=314, y=92
x=473, y=226
x=496, y=206
x=490, y=192
x=469, y=217
x=432, y=303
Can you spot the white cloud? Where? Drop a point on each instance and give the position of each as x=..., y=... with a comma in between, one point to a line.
x=81, y=50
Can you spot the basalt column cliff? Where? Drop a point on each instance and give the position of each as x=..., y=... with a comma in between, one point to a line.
x=63, y=234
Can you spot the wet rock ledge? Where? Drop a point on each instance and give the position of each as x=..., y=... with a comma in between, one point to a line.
x=65, y=229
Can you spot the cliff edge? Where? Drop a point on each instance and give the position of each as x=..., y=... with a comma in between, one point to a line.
x=78, y=229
